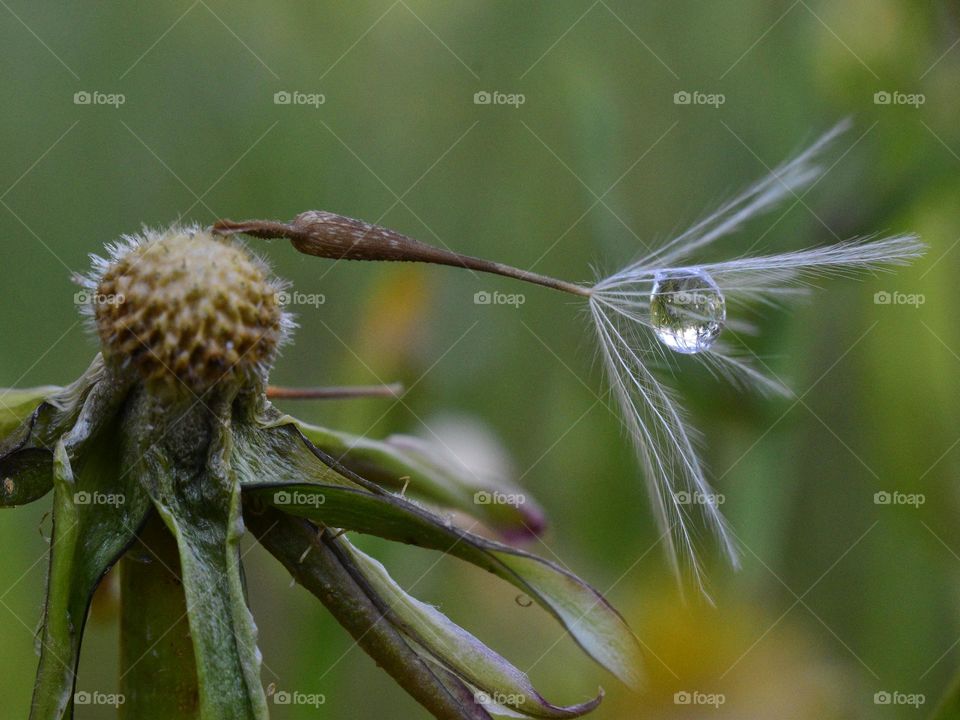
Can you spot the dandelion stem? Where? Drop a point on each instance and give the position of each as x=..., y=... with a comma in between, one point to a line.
x=337, y=237
x=158, y=673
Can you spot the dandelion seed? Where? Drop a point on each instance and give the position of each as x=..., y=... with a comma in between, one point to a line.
x=665, y=300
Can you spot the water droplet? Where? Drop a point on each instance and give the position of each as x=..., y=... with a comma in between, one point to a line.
x=687, y=310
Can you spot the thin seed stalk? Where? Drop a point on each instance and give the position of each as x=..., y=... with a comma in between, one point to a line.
x=337, y=237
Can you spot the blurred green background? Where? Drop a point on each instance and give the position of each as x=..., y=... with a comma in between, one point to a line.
x=840, y=598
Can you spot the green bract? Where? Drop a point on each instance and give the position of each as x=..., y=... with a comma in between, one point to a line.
x=141, y=469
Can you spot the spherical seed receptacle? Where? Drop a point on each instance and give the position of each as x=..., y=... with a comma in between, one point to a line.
x=188, y=309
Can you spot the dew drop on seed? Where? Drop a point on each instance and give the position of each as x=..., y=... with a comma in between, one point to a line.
x=687, y=310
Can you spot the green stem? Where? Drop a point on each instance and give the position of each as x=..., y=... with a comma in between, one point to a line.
x=158, y=674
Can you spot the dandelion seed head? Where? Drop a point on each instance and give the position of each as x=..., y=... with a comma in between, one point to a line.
x=185, y=309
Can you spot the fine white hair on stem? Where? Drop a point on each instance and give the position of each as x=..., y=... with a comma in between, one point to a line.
x=620, y=307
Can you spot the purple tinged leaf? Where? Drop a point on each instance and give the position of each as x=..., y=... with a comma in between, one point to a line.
x=427, y=471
